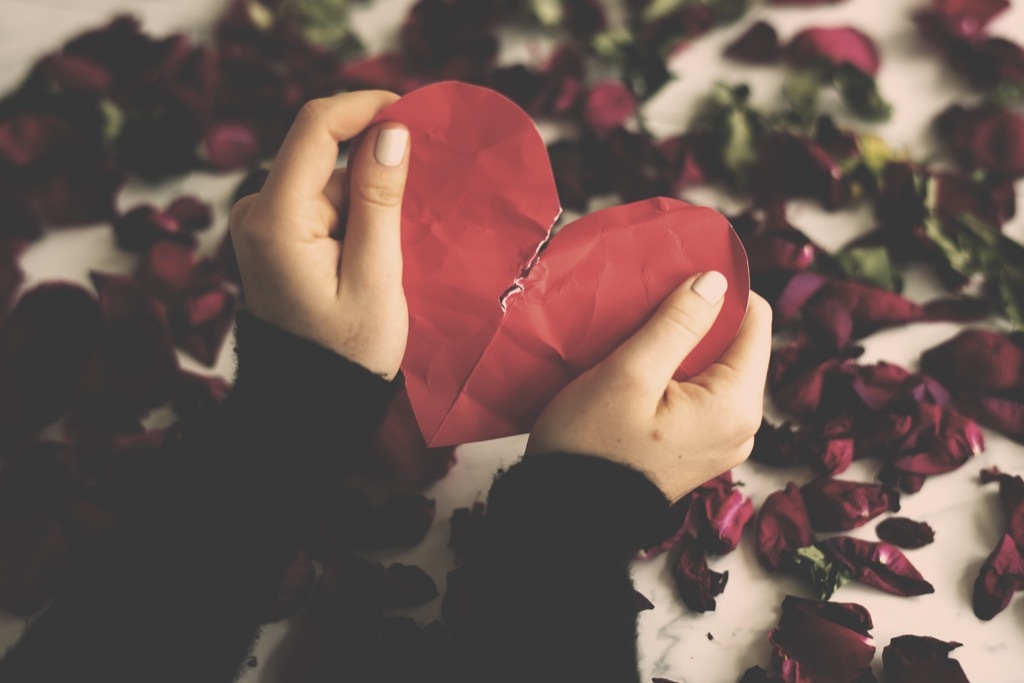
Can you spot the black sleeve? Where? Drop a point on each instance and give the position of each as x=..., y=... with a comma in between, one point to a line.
x=549, y=593
x=176, y=593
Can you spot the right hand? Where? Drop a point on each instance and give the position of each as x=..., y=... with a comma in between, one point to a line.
x=628, y=408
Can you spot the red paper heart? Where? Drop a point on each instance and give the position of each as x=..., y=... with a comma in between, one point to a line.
x=498, y=326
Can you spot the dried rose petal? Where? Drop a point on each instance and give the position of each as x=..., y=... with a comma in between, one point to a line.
x=135, y=357
x=725, y=512
x=775, y=446
x=976, y=360
x=67, y=72
x=642, y=603
x=793, y=166
x=905, y=533
x=143, y=226
x=583, y=19
x=230, y=146
x=837, y=505
x=1000, y=575
x=913, y=659
x=201, y=323
x=782, y=526
x=191, y=213
x=79, y=195
x=942, y=440
x=834, y=47
x=987, y=137
x=607, y=106
x=1011, y=495
x=696, y=584
x=966, y=18
x=823, y=641
x=876, y=564
x=759, y=44
x=1003, y=414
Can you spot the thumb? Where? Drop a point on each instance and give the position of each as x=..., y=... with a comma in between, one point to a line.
x=372, y=256
x=682, y=320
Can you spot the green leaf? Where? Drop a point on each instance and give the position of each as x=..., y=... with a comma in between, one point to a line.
x=548, y=12
x=800, y=99
x=860, y=92
x=322, y=22
x=1007, y=94
x=871, y=265
x=113, y=122
x=824, y=577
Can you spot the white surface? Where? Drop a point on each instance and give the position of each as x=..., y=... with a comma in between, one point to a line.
x=674, y=643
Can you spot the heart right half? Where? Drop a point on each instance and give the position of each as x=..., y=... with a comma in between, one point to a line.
x=501, y=317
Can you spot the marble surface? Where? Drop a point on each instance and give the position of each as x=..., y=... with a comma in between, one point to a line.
x=675, y=643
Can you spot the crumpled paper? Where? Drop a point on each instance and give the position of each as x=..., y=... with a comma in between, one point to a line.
x=501, y=317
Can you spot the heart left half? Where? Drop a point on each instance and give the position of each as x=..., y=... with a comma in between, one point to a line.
x=502, y=314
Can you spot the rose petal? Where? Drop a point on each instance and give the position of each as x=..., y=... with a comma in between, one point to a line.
x=834, y=47
x=905, y=533
x=1003, y=414
x=837, y=505
x=828, y=641
x=296, y=585
x=191, y=213
x=876, y=564
x=987, y=137
x=916, y=659
x=1011, y=496
x=976, y=360
x=759, y=44
x=230, y=146
x=607, y=106
x=1000, y=575
x=407, y=586
x=782, y=526
x=467, y=529
x=696, y=584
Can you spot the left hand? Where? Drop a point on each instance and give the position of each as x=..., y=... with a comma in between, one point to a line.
x=344, y=295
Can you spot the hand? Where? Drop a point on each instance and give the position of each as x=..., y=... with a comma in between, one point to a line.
x=680, y=434
x=346, y=296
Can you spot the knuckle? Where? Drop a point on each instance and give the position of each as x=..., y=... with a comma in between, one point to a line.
x=686, y=320
x=378, y=194
x=238, y=211
x=312, y=110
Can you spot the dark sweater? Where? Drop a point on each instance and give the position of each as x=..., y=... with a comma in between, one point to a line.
x=176, y=593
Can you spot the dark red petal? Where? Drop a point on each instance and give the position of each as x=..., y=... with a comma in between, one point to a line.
x=725, y=512
x=1011, y=496
x=607, y=106
x=905, y=533
x=920, y=659
x=800, y=288
x=1003, y=414
x=26, y=138
x=191, y=213
x=1000, y=575
x=143, y=226
x=829, y=641
x=967, y=18
x=759, y=44
x=78, y=196
x=135, y=357
x=70, y=73
x=976, y=360
x=201, y=322
x=834, y=47
x=987, y=137
x=942, y=441
x=877, y=564
x=230, y=146
x=696, y=584
x=775, y=445
x=782, y=526
x=837, y=505
x=583, y=19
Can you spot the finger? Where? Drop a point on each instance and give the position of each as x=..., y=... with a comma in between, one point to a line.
x=373, y=225
x=336, y=189
x=748, y=356
x=309, y=153
x=681, y=321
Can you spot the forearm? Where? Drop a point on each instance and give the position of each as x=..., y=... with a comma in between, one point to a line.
x=177, y=591
x=552, y=595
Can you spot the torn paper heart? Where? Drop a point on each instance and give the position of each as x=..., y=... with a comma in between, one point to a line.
x=500, y=317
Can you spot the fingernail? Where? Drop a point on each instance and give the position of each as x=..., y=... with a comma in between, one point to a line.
x=391, y=144
x=710, y=286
